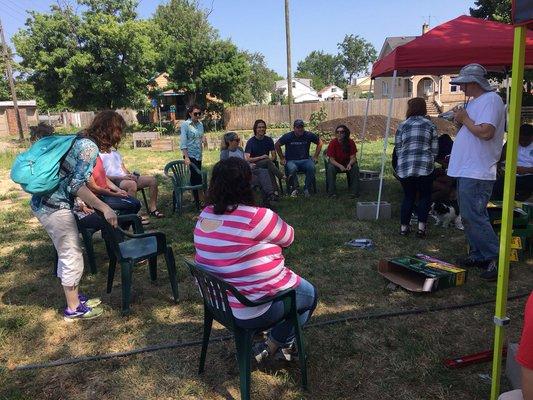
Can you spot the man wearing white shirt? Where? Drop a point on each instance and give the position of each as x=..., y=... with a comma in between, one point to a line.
x=475, y=154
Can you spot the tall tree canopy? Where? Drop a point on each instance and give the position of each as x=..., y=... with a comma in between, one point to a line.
x=99, y=59
x=196, y=59
x=322, y=68
x=356, y=54
x=496, y=10
x=262, y=79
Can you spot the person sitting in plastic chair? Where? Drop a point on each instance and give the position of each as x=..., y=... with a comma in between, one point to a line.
x=297, y=159
x=242, y=245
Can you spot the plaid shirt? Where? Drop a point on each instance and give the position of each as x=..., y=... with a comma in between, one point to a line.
x=416, y=147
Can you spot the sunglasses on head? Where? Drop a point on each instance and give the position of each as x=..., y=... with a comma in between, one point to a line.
x=197, y=114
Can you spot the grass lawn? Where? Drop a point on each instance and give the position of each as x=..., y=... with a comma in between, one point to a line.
x=389, y=358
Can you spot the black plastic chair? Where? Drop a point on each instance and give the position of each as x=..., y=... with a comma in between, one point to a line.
x=216, y=307
x=145, y=200
x=130, y=249
x=181, y=181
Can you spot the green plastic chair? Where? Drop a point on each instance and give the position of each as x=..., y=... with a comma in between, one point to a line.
x=130, y=249
x=216, y=307
x=181, y=178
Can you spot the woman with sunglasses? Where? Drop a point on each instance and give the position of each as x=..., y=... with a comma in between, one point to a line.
x=260, y=176
x=417, y=146
x=191, y=140
x=260, y=151
x=341, y=153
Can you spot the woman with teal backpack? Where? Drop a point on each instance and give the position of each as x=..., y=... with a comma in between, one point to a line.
x=54, y=210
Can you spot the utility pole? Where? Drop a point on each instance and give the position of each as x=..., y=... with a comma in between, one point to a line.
x=9, y=72
x=289, y=68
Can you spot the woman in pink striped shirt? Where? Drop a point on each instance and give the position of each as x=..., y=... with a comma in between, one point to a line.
x=242, y=245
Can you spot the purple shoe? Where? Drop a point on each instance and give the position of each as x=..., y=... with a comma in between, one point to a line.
x=93, y=302
x=82, y=312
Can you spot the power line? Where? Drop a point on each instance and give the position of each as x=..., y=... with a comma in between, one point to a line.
x=14, y=9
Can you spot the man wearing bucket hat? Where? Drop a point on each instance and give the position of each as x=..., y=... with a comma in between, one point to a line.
x=473, y=161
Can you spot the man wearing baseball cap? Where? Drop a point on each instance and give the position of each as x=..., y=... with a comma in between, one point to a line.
x=296, y=159
x=473, y=161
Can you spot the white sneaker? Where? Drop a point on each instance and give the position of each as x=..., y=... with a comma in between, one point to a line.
x=306, y=193
x=294, y=193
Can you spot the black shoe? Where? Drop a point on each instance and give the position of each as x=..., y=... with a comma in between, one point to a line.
x=421, y=233
x=491, y=272
x=469, y=262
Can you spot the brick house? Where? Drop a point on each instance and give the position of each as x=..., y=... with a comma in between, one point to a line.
x=8, y=119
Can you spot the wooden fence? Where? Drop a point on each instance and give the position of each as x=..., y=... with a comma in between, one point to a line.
x=244, y=117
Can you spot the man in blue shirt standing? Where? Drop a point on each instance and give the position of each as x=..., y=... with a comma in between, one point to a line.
x=297, y=158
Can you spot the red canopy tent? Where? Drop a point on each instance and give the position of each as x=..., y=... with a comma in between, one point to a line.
x=452, y=45
x=448, y=47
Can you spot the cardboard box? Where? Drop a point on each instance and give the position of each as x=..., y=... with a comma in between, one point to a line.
x=421, y=273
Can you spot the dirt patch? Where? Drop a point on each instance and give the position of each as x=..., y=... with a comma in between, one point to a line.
x=376, y=126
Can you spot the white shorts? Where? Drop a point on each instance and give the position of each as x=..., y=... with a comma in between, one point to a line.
x=62, y=229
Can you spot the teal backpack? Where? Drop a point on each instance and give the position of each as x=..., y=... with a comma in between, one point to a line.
x=37, y=169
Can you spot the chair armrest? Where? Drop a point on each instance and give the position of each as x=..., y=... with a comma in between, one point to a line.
x=290, y=293
x=134, y=219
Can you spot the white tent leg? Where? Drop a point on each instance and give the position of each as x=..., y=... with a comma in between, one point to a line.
x=385, y=142
x=364, y=123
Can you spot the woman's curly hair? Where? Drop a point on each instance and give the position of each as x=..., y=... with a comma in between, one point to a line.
x=106, y=129
x=230, y=185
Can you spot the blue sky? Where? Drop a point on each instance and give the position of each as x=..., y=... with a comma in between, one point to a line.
x=259, y=25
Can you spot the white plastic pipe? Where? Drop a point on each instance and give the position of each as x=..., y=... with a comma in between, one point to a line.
x=385, y=142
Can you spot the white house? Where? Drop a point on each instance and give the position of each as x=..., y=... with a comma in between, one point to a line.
x=331, y=93
x=302, y=91
x=440, y=95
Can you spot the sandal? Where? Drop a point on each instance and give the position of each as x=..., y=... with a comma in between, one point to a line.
x=156, y=213
x=405, y=232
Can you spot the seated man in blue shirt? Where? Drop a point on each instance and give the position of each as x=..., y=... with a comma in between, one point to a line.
x=297, y=159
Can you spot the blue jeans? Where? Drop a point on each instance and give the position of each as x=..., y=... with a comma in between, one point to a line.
x=283, y=333
x=473, y=196
x=294, y=166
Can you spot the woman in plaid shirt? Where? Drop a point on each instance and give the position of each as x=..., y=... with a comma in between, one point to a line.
x=416, y=146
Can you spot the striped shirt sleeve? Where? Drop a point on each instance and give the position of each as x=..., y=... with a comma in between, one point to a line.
x=268, y=227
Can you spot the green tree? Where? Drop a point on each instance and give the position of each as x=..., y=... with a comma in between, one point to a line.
x=101, y=59
x=499, y=10
x=262, y=79
x=496, y=10
x=24, y=89
x=46, y=46
x=196, y=59
x=322, y=68
x=356, y=54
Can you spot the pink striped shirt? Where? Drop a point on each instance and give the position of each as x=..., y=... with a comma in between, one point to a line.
x=245, y=251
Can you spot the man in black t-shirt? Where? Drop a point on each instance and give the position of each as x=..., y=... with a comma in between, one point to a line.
x=297, y=159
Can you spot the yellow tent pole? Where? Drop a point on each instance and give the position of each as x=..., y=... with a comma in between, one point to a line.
x=500, y=319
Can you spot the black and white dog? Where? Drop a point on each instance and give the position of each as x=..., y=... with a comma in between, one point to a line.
x=446, y=214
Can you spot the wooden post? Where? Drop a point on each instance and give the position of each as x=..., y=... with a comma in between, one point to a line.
x=9, y=72
x=289, y=68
